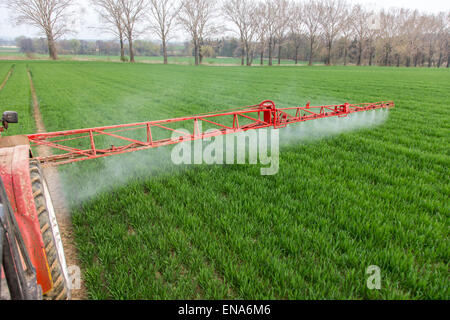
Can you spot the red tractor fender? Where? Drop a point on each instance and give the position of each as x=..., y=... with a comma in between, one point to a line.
x=15, y=173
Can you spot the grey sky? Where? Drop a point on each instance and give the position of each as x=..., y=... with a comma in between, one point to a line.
x=85, y=26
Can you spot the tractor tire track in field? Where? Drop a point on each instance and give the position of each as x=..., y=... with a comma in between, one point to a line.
x=56, y=191
x=7, y=78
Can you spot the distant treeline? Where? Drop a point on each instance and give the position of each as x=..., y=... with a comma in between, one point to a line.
x=297, y=50
x=226, y=47
x=93, y=47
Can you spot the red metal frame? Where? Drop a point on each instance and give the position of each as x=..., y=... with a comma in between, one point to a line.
x=15, y=173
x=271, y=117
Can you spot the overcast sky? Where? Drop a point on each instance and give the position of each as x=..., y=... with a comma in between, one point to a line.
x=85, y=27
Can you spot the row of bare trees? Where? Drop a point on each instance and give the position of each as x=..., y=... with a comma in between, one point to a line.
x=126, y=19
x=396, y=35
x=50, y=16
x=264, y=27
x=121, y=18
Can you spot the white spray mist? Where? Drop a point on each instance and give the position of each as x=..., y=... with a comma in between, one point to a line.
x=84, y=181
x=332, y=126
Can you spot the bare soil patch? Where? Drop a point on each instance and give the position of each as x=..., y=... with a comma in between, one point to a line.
x=6, y=78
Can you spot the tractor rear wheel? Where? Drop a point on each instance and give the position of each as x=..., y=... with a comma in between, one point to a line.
x=50, y=235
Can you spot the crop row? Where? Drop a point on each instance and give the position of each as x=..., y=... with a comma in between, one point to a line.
x=15, y=96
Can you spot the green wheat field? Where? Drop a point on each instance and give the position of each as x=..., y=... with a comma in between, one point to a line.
x=148, y=229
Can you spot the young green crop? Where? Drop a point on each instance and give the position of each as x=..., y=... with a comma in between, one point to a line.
x=15, y=96
x=4, y=70
x=148, y=229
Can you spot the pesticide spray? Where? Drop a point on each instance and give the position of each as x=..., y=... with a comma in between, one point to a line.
x=329, y=127
x=84, y=181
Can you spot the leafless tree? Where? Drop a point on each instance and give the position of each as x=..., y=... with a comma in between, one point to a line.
x=359, y=19
x=373, y=31
x=283, y=15
x=196, y=18
x=426, y=33
x=296, y=28
x=346, y=31
x=271, y=27
x=261, y=28
x=234, y=11
x=50, y=16
x=133, y=12
x=163, y=14
x=431, y=34
x=388, y=29
x=403, y=43
x=110, y=12
x=333, y=12
x=242, y=14
x=443, y=36
x=312, y=15
x=411, y=34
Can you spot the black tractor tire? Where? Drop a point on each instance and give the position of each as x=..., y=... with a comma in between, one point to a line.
x=50, y=235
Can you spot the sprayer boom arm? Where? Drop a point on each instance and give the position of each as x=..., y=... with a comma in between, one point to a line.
x=92, y=143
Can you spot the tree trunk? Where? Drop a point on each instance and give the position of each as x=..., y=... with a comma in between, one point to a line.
x=398, y=61
x=408, y=61
x=247, y=50
x=196, y=52
x=439, y=60
x=52, y=47
x=262, y=57
x=311, y=44
x=279, y=54
x=242, y=52
x=430, y=55
x=200, y=54
x=359, y=53
x=164, y=47
x=122, y=49
x=329, y=53
x=130, y=45
x=296, y=54
x=386, y=57
x=270, y=52
x=448, y=60
x=345, y=55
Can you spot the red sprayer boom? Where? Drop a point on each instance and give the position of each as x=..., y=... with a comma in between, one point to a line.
x=84, y=144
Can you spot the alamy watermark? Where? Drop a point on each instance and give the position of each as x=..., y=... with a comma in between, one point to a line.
x=374, y=279
x=228, y=147
x=74, y=277
x=373, y=22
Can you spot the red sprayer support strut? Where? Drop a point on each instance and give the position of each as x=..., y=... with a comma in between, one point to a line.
x=84, y=144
